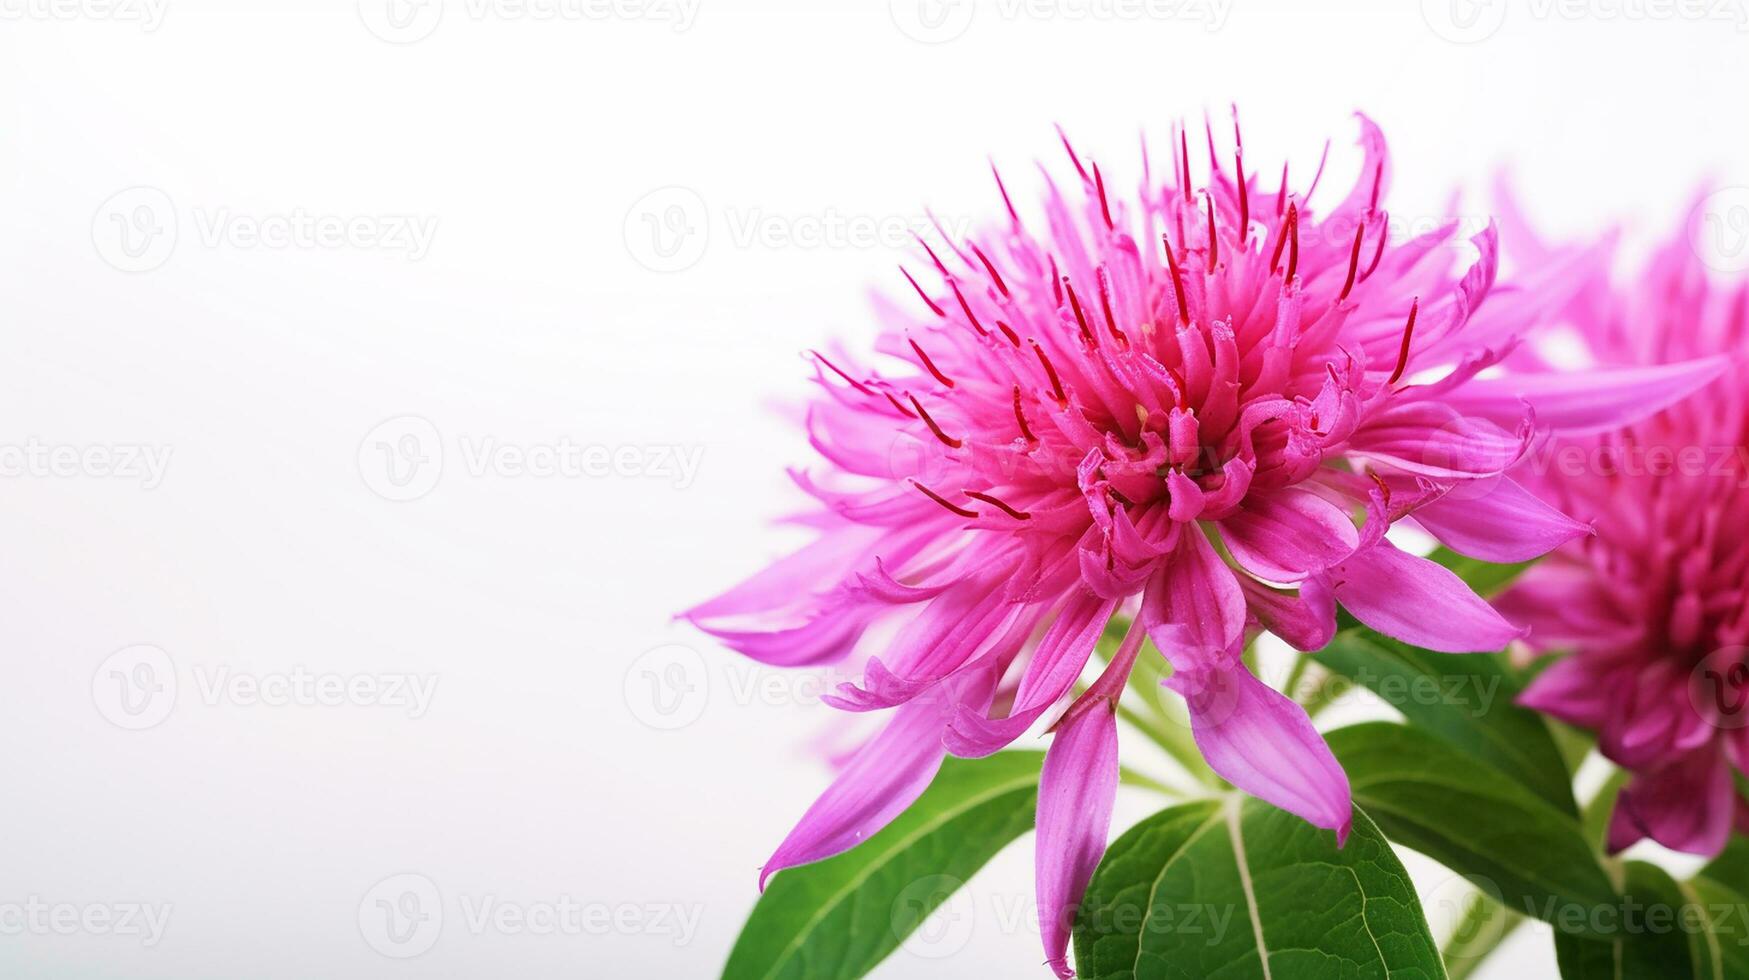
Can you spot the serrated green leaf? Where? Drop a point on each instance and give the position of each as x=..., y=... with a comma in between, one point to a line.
x=840, y=917
x=1237, y=890
x=1430, y=796
x=1465, y=699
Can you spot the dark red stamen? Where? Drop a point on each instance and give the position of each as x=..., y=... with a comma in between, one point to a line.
x=1008, y=331
x=1020, y=416
x=1214, y=239
x=1184, y=155
x=1104, y=208
x=938, y=311
x=932, y=495
x=1072, y=157
x=1177, y=282
x=1403, y=352
x=967, y=308
x=1051, y=372
x=1105, y=304
x=1019, y=515
x=1379, y=249
x=1281, y=238
x=932, y=256
x=946, y=439
x=1293, y=248
x=1244, y=194
x=927, y=363
x=1006, y=201
x=1080, y=318
x=859, y=386
x=899, y=405
x=1353, y=260
x=990, y=267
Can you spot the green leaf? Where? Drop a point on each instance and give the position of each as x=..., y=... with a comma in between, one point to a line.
x=1465, y=699
x=1662, y=929
x=1233, y=888
x=840, y=917
x=1594, y=818
x=1430, y=796
x=1731, y=868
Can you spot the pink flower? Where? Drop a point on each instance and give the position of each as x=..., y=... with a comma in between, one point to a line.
x=1656, y=607
x=1166, y=408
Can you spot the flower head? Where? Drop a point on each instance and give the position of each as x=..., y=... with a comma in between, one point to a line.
x=1168, y=407
x=1655, y=607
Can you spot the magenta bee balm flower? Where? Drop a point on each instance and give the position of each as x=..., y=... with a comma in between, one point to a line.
x=1656, y=607
x=1200, y=408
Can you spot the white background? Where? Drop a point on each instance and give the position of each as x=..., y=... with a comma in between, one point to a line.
x=533, y=316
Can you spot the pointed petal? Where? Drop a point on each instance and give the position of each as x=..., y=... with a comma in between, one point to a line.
x=1497, y=521
x=1194, y=602
x=1418, y=601
x=886, y=776
x=1584, y=403
x=1285, y=536
x=1075, y=796
x=1262, y=742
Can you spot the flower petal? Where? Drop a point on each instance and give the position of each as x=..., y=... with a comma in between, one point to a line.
x=1075, y=795
x=1497, y=521
x=1262, y=742
x=1417, y=601
x=1687, y=806
x=886, y=776
x=1285, y=536
x=1589, y=402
